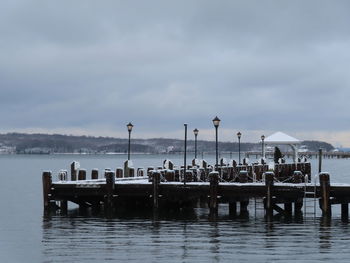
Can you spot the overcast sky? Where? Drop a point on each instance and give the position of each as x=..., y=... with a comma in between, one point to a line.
x=89, y=67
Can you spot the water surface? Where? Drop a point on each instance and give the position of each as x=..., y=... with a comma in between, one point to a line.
x=190, y=236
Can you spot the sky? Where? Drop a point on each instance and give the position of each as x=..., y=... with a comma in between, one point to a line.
x=90, y=67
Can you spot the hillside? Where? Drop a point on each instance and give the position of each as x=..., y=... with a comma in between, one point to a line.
x=56, y=143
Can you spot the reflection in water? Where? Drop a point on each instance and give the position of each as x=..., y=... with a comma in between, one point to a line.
x=185, y=242
x=325, y=233
x=215, y=242
x=188, y=236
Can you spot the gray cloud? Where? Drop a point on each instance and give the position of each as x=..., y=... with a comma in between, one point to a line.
x=274, y=65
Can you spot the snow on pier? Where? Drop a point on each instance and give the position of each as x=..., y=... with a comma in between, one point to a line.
x=288, y=185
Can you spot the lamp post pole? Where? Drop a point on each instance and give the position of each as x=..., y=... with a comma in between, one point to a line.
x=239, y=134
x=262, y=146
x=129, y=126
x=185, y=151
x=216, y=122
x=195, y=131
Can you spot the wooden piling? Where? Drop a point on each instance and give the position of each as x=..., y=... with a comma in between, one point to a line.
x=288, y=208
x=73, y=171
x=232, y=208
x=170, y=175
x=213, y=190
x=64, y=206
x=47, y=182
x=325, y=204
x=131, y=172
x=110, y=185
x=298, y=205
x=319, y=160
x=345, y=210
x=119, y=172
x=140, y=172
x=94, y=174
x=244, y=202
x=95, y=204
x=177, y=175
x=189, y=176
x=62, y=175
x=269, y=177
x=156, y=182
x=82, y=174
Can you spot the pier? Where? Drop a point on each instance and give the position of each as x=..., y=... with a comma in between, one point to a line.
x=169, y=187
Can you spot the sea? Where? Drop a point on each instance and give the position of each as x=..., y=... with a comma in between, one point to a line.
x=26, y=235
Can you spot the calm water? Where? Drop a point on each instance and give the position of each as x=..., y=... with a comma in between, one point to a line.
x=26, y=236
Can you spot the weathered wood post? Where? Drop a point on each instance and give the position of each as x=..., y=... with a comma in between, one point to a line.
x=155, y=182
x=319, y=160
x=140, y=172
x=119, y=172
x=131, y=172
x=213, y=191
x=243, y=178
x=74, y=170
x=232, y=208
x=47, y=182
x=269, y=177
x=82, y=174
x=63, y=176
x=94, y=174
x=345, y=211
x=177, y=175
x=325, y=186
x=288, y=208
x=170, y=175
x=110, y=185
x=127, y=166
x=95, y=204
x=188, y=176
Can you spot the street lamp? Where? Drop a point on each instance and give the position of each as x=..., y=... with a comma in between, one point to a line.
x=262, y=146
x=216, y=122
x=129, y=126
x=195, y=131
x=239, y=134
x=185, y=151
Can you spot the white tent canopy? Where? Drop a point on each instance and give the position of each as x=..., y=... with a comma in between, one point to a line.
x=280, y=138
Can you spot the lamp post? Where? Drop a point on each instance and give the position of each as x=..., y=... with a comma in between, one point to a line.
x=185, y=151
x=129, y=126
x=195, y=131
x=216, y=122
x=262, y=146
x=239, y=134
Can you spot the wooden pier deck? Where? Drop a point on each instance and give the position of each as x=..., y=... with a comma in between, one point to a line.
x=287, y=186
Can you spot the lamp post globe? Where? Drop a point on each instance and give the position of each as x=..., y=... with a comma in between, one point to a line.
x=129, y=126
x=216, y=122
